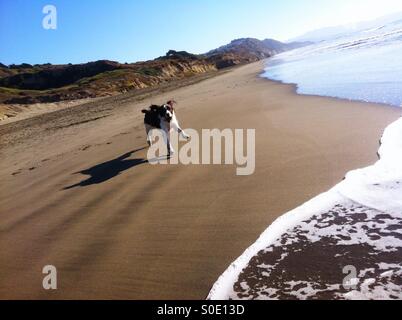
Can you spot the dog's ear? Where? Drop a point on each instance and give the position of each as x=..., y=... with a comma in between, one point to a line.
x=144, y=111
x=171, y=104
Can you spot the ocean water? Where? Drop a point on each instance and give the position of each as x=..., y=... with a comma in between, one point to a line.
x=365, y=66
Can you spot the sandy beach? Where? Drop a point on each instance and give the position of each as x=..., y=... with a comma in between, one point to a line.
x=130, y=230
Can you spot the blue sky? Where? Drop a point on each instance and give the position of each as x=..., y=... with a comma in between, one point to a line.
x=133, y=30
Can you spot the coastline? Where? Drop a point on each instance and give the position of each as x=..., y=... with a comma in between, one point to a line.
x=123, y=236
x=242, y=279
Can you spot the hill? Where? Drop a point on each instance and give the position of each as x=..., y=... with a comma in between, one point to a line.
x=27, y=84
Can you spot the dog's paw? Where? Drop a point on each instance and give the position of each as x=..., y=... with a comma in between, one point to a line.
x=186, y=136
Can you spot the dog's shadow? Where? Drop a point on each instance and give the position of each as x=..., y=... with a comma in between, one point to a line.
x=108, y=170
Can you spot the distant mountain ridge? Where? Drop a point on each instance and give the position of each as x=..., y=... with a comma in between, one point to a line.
x=259, y=49
x=334, y=32
x=26, y=84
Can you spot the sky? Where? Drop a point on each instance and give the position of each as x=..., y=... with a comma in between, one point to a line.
x=136, y=30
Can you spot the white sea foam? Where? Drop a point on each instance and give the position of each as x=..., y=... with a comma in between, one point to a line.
x=378, y=188
x=223, y=288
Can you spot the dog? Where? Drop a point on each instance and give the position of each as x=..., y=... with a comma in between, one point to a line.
x=163, y=118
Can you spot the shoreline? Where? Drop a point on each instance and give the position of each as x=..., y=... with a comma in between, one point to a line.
x=230, y=285
x=295, y=87
x=122, y=233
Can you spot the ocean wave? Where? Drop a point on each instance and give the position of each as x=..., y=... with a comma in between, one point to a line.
x=363, y=66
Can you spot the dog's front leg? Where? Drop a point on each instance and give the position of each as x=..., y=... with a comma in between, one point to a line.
x=175, y=125
x=184, y=135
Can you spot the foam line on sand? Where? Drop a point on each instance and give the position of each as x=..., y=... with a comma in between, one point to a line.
x=358, y=223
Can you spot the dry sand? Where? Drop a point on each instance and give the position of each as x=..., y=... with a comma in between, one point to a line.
x=136, y=231
x=17, y=112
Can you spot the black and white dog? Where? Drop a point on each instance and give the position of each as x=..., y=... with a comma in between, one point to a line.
x=162, y=118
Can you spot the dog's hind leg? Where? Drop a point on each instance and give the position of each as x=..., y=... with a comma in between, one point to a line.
x=168, y=144
x=166, y=138
x=148, y=130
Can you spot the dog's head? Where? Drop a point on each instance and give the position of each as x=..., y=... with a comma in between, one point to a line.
x=166, y=113
x=170, y=105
